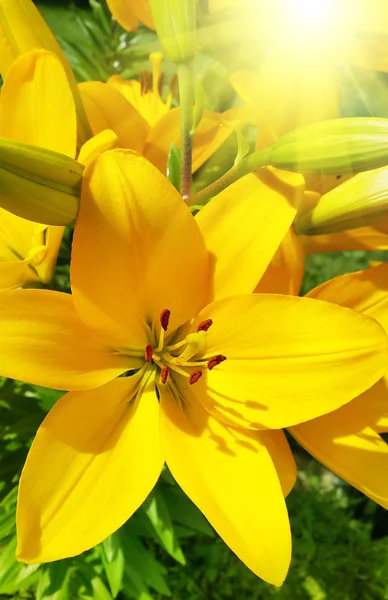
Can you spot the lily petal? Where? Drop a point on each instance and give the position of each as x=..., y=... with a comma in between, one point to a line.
x=106, y=140
x=94, y=460
x=243, y=227
x=284, y=274
x=210, y=134
x=365, y=291
x=288, y=359
x=33, y=111
x=282, y=457
x=148, y=253
x=352, y=450
x=229, y=474
x=106, y=108
x=129, y=12
x=362, y=238
x=44, y=342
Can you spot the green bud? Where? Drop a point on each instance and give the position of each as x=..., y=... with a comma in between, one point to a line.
x=332, y=147
x=38, y=184
x=360, y=201
x=176, y=26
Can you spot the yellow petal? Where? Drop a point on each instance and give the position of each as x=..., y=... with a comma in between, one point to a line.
x=106, y=140
x=365, y=291
x=16, y=274
x=129, y=12
x=362, y=238
x=282, y=457
x=351, y=449
x=94, y=460
x=106, y=108
x=53, y=238
x=229, y=474
x=243, y=227
x=285, y=272
x=288, y=359
x=44, y=342
x=37, y=105
x=211, y=132
x=22, y=29
x=148, y=104
x=147, y=251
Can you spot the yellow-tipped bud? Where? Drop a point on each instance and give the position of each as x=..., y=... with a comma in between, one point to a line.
x=38, y=184
x=360, y=201
x=176, y=26
x=333, y=147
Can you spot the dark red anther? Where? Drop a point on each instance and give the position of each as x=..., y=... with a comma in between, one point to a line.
x=215, y=360
x=194, y=377
x=204, y=325
x=164, y=374
x=149, y=350
x=165, y=318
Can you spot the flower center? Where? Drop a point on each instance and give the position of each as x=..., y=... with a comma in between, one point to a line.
x=187, y=353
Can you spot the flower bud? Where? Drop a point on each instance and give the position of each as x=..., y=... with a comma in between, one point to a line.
x=333, y=147
x=38, y=184
x=176, y=26
x=359, y=202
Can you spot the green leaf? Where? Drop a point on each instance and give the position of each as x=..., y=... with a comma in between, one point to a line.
x=143, y=561
x=113, y=560
x=14, y=575
x=184, y=512
x=159, y=517
x=54, y=581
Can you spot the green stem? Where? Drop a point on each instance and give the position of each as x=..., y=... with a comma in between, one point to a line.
x=247, y=165
x=186, y=98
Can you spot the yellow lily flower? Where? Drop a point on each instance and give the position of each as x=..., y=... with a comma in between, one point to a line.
x=129, y=12
x=136, y=112
x=40, y=115
x=166, y=299
x=347, y=440
x=295, y=48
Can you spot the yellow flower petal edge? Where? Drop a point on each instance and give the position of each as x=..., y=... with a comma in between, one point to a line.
x=94, y=460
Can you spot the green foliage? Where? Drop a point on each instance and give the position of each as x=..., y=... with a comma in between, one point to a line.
x=95, y=45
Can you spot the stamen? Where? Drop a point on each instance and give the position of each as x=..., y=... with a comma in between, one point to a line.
x=215, y=360
x=205, y=325
x=165, y=318
x=194, y=377
x=149, y=350
x=157, y=77
x=164, y=374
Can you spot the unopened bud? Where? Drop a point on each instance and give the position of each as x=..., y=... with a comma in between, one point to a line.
x=360, y=201
x=331, y=147
x=176, y=26
x=38, y=184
